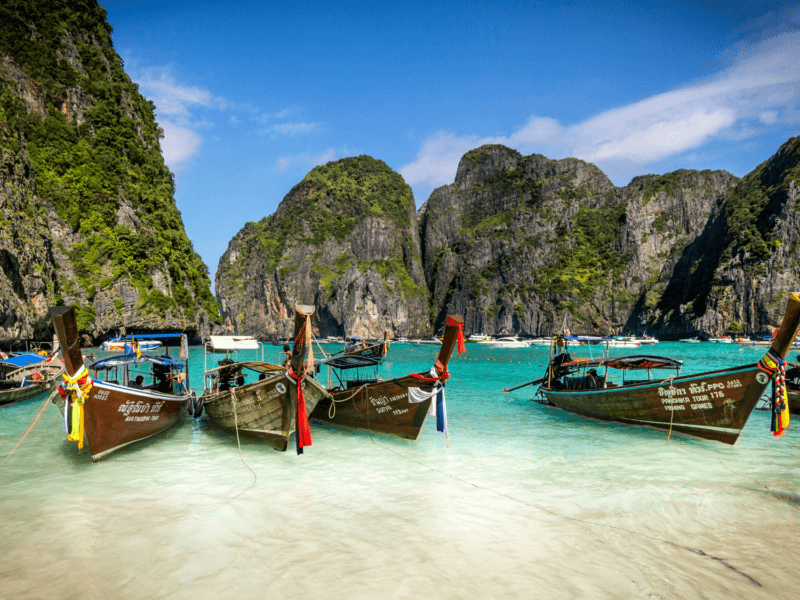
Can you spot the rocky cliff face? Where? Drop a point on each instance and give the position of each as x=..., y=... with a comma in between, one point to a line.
x=528, y=244
x=87, y=213
x=345, y=240
x=750, y=264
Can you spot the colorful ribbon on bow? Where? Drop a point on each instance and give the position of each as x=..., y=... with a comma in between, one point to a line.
x=303, y=428
x=775, y=367
x=75, y=391
x=451, y=322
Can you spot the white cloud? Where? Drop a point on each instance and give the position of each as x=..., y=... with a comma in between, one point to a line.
x=180, y=144
x=290, y=129
x=759, y=90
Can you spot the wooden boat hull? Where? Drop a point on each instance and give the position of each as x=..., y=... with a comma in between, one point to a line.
x=382, y=407
x=116, y=416
x=713, y=405
x=265, y=409
x=32, y=389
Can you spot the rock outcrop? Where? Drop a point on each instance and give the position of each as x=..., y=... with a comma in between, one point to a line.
x=345, y=240
x=531, y=245
x=87, y=212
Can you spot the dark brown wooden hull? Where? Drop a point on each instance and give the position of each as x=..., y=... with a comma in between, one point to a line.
x=116, y=416
x=265, y=409
x=713, y=405
x=794, y=402
x=381, y=407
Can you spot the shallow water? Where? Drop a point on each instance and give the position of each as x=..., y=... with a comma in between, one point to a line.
x=529, y=502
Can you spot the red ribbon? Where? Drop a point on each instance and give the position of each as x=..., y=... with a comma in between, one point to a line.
x=452, y=323
x=303, y=428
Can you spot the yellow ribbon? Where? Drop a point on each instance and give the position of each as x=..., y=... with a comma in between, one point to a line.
x=78, y=394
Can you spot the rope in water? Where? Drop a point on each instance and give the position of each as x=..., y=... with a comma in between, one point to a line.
x=239, y=443
x=32, y=424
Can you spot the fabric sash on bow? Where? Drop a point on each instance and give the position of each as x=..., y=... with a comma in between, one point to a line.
x=775, y=367
x=452, y=323
x=303, y=428
x=75, y=392
x=438, y=408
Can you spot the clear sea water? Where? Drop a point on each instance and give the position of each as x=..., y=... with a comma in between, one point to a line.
x=530, y=502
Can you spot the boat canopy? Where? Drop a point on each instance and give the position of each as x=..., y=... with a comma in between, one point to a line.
x=631, y=362
x=113, y=362
x=350, y=361
x=226, y=343
x=146, y=336
x=22, y=360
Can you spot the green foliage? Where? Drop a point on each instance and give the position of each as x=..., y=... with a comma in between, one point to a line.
x=85, y=168
x=284, y=272
x=749, y=209
x=590, y=258
x=660, y=222
x=330, y=202
x=665, y=183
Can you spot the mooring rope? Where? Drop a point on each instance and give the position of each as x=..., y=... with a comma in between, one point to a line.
x=32, y=424
x=332, y=407
x=238, y=442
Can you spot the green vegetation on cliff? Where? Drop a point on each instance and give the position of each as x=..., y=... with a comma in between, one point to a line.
x=330, y=202
x=86, y=165
x=749, y=211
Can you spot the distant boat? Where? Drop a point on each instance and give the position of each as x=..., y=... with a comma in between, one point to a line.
x=126, y=344
x=371, y=349
x=725, y=339
x=433, y=341
x=693, y=340
x=26, y=375
x=506, y=342
x=624, y=342
x=478, y=337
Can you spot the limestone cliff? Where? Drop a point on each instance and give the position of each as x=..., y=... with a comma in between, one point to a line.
x=87, y=213
x=345, y=240
x=528, y=244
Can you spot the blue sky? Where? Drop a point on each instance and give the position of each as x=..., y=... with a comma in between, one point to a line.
x=253, y=95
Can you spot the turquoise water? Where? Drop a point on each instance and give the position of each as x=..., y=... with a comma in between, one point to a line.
x=529, y=502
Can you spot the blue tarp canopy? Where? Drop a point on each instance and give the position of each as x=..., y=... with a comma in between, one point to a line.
x=23, y=360
x=351, y=361
x=130, y=359
x=147, y=336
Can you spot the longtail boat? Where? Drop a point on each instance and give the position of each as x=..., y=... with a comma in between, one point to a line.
x=26, y=375
x=378, y=350
x=108, y=407
x=271, y=407
x=397, y=406
x=714, y=405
